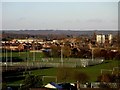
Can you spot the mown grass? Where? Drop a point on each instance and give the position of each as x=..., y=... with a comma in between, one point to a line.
x=26, y=55
x=95, y=71
x=92, y=71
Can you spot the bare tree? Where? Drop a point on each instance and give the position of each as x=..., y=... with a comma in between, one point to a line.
x=63, y=74
x=80, y=76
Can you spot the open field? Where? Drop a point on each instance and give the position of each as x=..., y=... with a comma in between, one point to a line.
x=38, y=59
x=92, y=71
x=23, y=55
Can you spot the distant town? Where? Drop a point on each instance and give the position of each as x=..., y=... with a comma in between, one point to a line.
x=59, y=45
x=105, y=44
x=60, y=60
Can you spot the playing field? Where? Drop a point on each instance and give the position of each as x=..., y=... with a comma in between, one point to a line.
x=92, y=71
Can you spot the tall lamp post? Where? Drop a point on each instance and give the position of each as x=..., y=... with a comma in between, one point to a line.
x=27, y=45
x=92, y=54
x=6, y=56
x=61, y=56
x=33, y=52
x=11, y=55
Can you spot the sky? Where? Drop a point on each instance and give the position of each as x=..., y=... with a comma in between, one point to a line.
x=59, y=15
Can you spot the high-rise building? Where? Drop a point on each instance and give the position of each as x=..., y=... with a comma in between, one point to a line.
x=110, y=38
x=100, y=39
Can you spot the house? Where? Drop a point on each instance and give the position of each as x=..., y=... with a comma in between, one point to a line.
x=14, y=47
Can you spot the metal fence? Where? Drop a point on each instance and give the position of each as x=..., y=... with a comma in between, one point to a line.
x=56, y=62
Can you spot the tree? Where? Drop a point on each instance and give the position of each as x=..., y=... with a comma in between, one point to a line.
x=32, y=81
x=96, y=53
x=106, y=78
x=4, y=86
x=75, y=52
x=80, y=76
x=103, y=53
x=63, y=74
x=66, y=51
x=55, y=51
x=115, y=77
x=117, y=56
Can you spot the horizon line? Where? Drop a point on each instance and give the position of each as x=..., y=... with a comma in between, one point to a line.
x=61, y=30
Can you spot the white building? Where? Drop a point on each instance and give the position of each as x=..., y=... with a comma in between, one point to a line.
x=100, y=38
x=110, y=38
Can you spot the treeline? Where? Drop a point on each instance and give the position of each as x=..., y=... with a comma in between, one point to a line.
x=10, y=36
x=68, y=52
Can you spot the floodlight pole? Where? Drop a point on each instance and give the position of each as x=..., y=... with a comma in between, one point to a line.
x=92, y=54
x=6, y=56
x=11, y=57
x=4, y=50
x=61, y=56
x=34, y=51
x=27, y=54
x=27, y=51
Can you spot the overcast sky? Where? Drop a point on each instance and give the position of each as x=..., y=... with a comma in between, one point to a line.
x=60, y=15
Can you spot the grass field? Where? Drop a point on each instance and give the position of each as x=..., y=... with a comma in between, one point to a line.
x=24, y=55
x=92, y=71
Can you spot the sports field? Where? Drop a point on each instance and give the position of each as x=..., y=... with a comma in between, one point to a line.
x=26, y=55
x=92, y=71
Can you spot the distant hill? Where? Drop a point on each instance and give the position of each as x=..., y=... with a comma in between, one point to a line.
x=59, y=32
